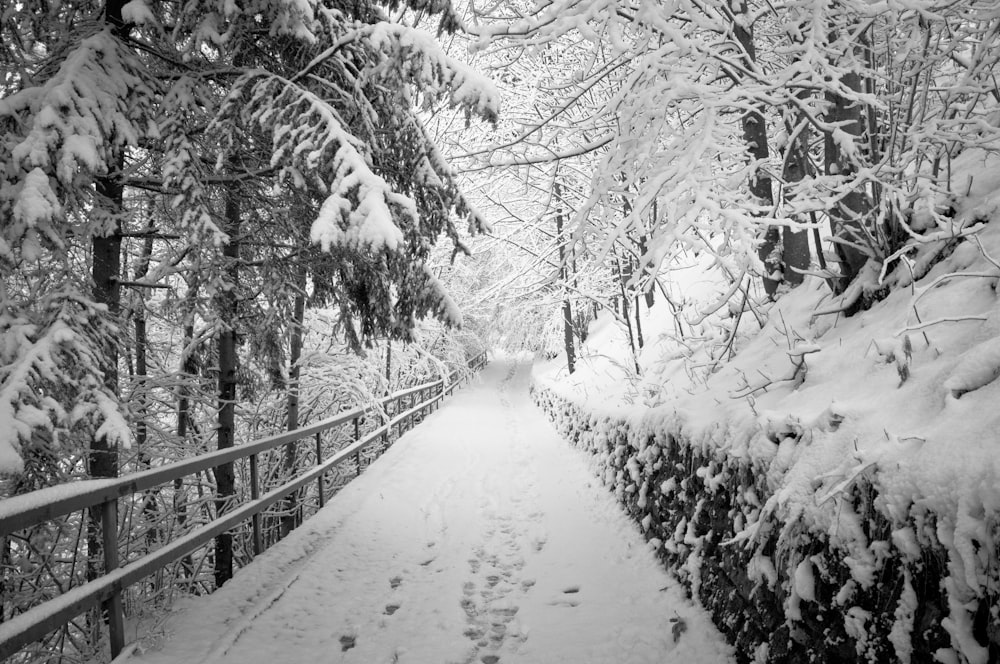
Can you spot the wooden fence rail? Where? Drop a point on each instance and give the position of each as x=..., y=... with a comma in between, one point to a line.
x=403, y=409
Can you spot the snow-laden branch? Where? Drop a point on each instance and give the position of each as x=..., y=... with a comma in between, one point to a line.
x=65, y=133
x=39, y=359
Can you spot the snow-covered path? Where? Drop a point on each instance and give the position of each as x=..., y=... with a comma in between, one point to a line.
x=480, y=536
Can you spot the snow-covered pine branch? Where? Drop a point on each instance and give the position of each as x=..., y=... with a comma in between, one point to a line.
x=61, y=134
x=50, y=382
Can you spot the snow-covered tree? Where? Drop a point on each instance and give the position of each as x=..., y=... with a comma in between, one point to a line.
x=747, y=131
x=327, y=96
x=177, y=181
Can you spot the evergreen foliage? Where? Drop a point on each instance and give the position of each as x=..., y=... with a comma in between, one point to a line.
x=298, y=108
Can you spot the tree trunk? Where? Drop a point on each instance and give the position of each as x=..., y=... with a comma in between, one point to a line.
x=103, y=457
x=847, y=216
x=783, y=251
x=150, y=504
x=755, y=135
x=638, y=324
x=622, y=278
x=795, y=244
x=189, y=371
x=227, y=303
x=649, y=278
x=388, y=365
x=289, y=518
x=567, y=307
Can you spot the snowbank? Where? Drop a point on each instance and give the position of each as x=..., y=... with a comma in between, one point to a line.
x=838, y=478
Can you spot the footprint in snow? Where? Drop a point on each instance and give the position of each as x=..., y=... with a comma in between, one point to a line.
x=507, y=612
x=395, y=581
x=565, y=602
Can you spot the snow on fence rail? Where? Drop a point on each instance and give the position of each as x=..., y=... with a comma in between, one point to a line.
x=27, y=510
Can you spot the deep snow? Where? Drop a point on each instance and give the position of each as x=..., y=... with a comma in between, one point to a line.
x=480, y=536
x=904, y=394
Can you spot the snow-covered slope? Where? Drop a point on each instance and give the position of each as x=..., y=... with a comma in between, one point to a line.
x=903, y=395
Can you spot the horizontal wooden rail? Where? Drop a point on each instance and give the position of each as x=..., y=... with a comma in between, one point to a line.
x=30, y=509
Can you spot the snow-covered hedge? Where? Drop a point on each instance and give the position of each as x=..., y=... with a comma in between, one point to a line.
x=868, y=584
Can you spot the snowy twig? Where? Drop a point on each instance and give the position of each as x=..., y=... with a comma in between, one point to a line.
x=917, y=239
x=839, y=488
x=797, y=374
x=732, y=334
x=951, y=275
x=853, y=292
x=943, y=319
x=719, y=303
x=979, y=242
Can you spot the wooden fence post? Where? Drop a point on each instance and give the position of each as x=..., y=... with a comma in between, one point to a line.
x=258, y=542
x=107, y=591
x=319, y=460
x=113, y=606
x=357, y=436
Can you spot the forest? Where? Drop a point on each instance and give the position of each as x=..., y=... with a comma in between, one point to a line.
x=224, y=220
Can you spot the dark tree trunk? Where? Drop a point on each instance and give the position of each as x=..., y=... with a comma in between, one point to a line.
x=150, y=503
x=638, y=324
x=567, y=307
x=227, y=304
x=189, y=371
x=847, y=216
x=755, y=135
x=648, y=278
x=103, y=457
x=289, y=517
x=795, y=244
x=388, y=365
x=783, y=251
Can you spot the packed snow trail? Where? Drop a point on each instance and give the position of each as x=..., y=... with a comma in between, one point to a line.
x=479, y=537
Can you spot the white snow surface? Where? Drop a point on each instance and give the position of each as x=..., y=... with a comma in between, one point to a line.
x=480, y=536
x=904, y=394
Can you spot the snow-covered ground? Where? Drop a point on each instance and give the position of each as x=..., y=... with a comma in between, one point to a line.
x=905, y=392
x=480, y=536
x=903, y=395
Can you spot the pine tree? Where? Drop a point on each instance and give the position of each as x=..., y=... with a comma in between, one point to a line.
x=219, y=116
x=332, y=95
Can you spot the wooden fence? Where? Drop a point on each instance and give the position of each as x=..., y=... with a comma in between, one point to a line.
x=19, y=512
